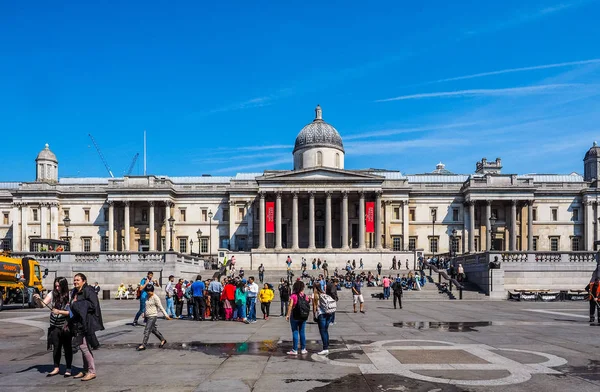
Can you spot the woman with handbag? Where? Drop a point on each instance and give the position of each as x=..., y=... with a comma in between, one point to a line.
x=240, y=302
x=59, y=335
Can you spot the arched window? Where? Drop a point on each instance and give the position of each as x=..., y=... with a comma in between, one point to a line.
x=300, y=162
x=319, y=158
x=337, y=160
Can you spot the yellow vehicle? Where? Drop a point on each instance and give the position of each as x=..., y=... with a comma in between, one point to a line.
x=19, y=280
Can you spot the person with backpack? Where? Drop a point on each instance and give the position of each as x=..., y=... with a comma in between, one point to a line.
x=593, y=288
x=324, y=308
x=397, y=288
x=284, y=296
x=297, y=314
x=240, y=302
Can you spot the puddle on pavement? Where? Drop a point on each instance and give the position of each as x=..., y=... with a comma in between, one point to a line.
x=451, y=326
x=590, y=372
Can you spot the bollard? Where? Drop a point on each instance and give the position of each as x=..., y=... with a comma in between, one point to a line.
x=439, y=278
x=430, y=270
x=450, y=285
x=460, y=293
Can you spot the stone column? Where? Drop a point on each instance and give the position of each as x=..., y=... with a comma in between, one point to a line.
x=361, y=221
x=311, y=220
x=597, y=220
x=152, y=242
x=167, y=227
x=328, y=220
x=472, y=227
x=126, y=228
x=278, y=233
x=488, y=226
x=530, y=225
x=345, y=220
x=111, y=226
x=513, y=225
x=261, y=226
x=295, y=220
x=378, y=216
x=405, y=223
x=589, y=226
x=43, y=220
x=24, y=241
x=54, y=221
x=232, y=226
x=250, y=222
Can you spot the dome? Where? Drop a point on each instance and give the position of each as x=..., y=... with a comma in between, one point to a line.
x=318, y=134
x=593, y=152
x=46, y=155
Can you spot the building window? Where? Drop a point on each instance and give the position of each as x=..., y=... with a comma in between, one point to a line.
x=183, y=244
x=204, y=216
x=86, y=244
x=104, y=244
x=455, y=215
x=319, y=158
x=575, y=243
x=534, y=214
x=476, y=214
x=495, y=213
x=412, y=214
x=36, y=246
x=6, y=244
x=225, y=215
x=5, y=218
x=554, y=244
x=397, y=243
x=86, y=215
x=182, y=215
x=433, y=244
x=575, y=215
x=144, y=215
x=476, y=243
x=337, y=160
x=204, y=245
x=535, y=243
x=455, y=245
x=518, y=245
x=34, y=211
x=240, y=216
x=412, y=243
x=554, y=214
x=396, y=213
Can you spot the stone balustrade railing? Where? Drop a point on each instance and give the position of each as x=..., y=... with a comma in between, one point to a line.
x=537, y=257
x=111, y=257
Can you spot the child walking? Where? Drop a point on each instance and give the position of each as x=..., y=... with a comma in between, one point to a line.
x=153, y=305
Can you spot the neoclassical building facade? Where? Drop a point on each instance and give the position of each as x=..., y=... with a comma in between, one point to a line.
x=319, y=206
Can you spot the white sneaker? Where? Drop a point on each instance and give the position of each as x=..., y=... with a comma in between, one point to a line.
x=323, y=352
x=292, y=352
x=303, y=351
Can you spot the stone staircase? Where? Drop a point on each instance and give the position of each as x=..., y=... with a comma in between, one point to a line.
x=429, y=292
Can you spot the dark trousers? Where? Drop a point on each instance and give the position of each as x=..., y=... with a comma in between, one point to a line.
x=61, y=339
x=399, y=297
x=284, y=306
x=178, y=307
x=261, y=276
x=593, y=308
x=215, y=306
x=151, y=328
x=199, y=308
x=265, y=307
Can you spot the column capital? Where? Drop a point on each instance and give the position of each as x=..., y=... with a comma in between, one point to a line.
x=344, y=193
x=588, y=203
x=262, y=194
x=278, y=194
x=361, y=194
x=231, y=203
x=529, y=203
x=513, y=202
x=378, y=193
x=151, y=203
x=387, y=202
x=488, y=202
x=169, y=203
x=295, y=194
x=311, y=194
x=328, y=194
x=110, y=203
x=468, y=203
x=126, y=203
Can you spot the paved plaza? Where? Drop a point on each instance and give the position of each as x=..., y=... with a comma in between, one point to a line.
x=427, y=346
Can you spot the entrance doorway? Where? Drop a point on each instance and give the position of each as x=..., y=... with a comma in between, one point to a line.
x=320, y=237
x=144, y=245
x=355, y=235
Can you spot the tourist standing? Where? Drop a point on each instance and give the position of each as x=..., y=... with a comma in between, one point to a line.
x=170, y=296
x=386, y=287
x=379, y=268
x=178, y=297
x=85, y=321
x=353, y=264
x=153, y=305
x=240, y=302
x=97, y=288
x=59, y=335
x=261, y=273
x=314, y=264
x=323, y=310
x=357, y=295
x=407, y=264
x=461, y=273
x=228, y=298
x=397, y=288
x=331, y=290
x=215, y=288
x=145, y=282
x=394, y=263
x=265, y=296
x=297, y=314
x=198, y=288
x=288, y=262
x=252, y=293
x=361, y=264
x=325, y=271
x=593, y=288
x=284, y=295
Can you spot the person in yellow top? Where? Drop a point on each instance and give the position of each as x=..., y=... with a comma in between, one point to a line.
x=265, y=296
x=121, y=292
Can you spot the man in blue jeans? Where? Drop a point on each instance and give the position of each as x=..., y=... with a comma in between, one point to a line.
x=198, y=288
x=147, y=281
x=251, y=294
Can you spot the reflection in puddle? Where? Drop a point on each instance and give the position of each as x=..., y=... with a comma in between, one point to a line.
x=451, y=326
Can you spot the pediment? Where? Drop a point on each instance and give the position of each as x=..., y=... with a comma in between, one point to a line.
x=319, y=174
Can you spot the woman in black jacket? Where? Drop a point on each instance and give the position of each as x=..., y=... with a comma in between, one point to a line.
x=85, y=322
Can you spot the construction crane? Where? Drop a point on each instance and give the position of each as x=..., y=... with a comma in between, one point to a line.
x=101, y=156
x=135, y=158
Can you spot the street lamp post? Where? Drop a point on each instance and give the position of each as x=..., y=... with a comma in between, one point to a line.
x=210, y=215
x=492, y=230
x=433, y=219
x=191, y=246
x=453, y=243
x=67, y=223
x=199, y=232
x=171, y=223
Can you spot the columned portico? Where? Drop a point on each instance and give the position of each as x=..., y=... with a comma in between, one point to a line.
x=152, y=234
x=278, y=234
x=54, y=221
x=488, y=226
x=589, y=226
x=530, y=225
x=43, y=220
x=361, y=221
x=328, y=220
x=24, y=241
x=378, y=219
x=126, y=225
x=167, y=228
x=345, y=220
x=471, y=227
x=111, y=226
x=262, y=226
x=295, y=220
x=513, y=225
x=311, y=220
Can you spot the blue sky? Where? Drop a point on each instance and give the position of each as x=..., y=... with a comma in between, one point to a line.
x=225, y=87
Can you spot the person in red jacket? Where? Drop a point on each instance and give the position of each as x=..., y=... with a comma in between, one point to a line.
x=179, y=292
x=228, y=298
x=593, y=288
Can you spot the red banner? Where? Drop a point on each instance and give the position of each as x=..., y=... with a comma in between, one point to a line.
x=270, y=217
x=370, y=216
